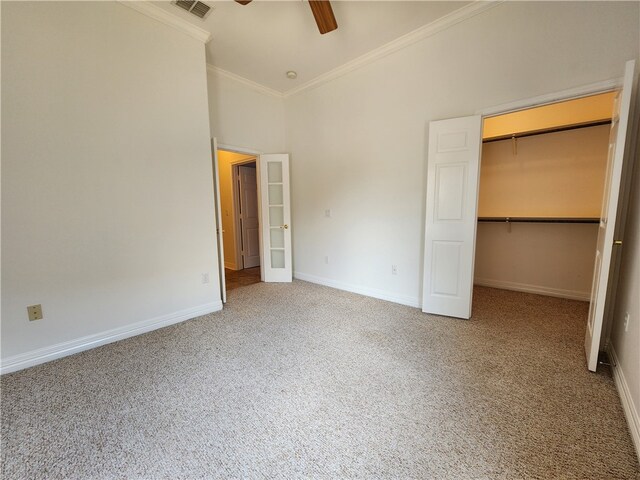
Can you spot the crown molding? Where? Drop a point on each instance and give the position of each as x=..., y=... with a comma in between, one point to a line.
x=161, y=15
x=245, y=81
x=468, y=11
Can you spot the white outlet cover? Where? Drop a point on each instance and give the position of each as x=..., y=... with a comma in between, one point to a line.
x=205, y=278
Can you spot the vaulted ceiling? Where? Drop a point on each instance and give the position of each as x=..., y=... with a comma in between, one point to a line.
x=263, y=40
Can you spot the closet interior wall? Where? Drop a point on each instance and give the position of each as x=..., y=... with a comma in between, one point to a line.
x=551, y=175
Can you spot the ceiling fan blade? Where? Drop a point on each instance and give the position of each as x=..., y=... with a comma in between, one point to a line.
x=323, y=14
x=243, y=2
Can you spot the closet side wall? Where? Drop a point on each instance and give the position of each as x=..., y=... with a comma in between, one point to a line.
x=552, y=175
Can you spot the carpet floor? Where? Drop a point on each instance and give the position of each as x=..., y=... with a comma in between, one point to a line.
x=304, y=381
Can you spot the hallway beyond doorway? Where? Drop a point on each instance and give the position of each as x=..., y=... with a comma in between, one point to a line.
x=241, y=278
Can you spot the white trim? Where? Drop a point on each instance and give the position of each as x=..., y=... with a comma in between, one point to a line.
x=245, y=81
x=442, y=23
x=630, y=410
x=350, y=287
x=161, y=15
x=59, y=350
x=237, y=149
x=536, y=289
x=571, y=93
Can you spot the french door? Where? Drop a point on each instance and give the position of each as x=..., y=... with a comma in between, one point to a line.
x=275, y=217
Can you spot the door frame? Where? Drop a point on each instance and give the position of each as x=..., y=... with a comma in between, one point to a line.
x=549, y=98
x=255, y=153
x=235, y=177
x=572, y=94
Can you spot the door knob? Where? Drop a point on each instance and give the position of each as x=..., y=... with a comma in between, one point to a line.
x=284, y=227
x=617, y=242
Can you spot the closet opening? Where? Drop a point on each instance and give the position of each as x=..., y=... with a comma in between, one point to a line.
x=542, y=178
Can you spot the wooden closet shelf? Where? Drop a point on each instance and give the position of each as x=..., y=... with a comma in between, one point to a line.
x=538, y=220
x=545, y=131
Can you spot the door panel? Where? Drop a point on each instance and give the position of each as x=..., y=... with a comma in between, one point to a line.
x=446, y=268
x=453, y=168
x=450, y=185
x=250, y=230
x=276, y=218
x=604, y=266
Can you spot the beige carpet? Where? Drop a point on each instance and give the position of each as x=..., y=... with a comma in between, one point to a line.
x=303, y=381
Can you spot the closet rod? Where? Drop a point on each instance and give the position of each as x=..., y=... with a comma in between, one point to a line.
x=551, y=130
x=538, y=220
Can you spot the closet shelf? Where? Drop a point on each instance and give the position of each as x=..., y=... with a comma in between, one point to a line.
x=538, y=220
x=545, y=131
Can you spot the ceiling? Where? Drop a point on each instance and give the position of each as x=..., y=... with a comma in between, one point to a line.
x=263, y=40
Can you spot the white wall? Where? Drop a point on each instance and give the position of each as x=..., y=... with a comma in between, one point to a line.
x=358, y=143
x=626, y=342
x=107, y=198
x=245, y=117
x=548, y=259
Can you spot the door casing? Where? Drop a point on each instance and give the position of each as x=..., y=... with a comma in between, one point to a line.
x=254, y=153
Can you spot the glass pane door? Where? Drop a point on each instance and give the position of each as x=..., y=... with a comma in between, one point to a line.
x=274, y=181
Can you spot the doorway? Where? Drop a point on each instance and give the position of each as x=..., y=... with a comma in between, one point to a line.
x=452, y=199
x=240, y=218
x=540, y=197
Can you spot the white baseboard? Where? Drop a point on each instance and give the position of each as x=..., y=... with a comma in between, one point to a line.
x=537, y=289
x=53, y=352
x=630, y=410
x=369, y=292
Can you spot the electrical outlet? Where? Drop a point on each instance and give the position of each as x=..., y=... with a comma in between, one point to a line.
x=326, y=259
x=35, y=312
x=205, y=277
x=327, y=213
x=394, y=269
x=626, y=322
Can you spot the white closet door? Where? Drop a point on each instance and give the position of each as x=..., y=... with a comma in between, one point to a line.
x=604, y=267
x=453, y=168
x=275, y=217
